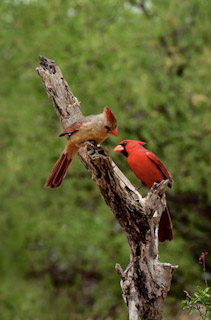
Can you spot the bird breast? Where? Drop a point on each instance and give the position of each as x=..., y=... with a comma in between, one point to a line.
x=93, y=130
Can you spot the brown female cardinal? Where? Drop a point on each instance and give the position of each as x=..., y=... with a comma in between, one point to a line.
x=94, y=127
x=149, y=169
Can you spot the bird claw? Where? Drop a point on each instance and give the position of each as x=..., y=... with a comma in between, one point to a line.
x=82, y=144
x=85, y=143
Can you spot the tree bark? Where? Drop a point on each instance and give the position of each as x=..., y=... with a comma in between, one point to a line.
x=146, y=281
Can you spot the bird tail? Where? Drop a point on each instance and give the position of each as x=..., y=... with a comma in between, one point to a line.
x=58, y=172
x=165, y=227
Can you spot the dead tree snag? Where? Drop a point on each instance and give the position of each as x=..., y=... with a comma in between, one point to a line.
x=146, y=281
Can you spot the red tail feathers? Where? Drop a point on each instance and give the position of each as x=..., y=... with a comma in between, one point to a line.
x=58, y=172
x=165, y=227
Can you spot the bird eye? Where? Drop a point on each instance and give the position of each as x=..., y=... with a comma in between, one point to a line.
x=107, y=128
x=124, y=143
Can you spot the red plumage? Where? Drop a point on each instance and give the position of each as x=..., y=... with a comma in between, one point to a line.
x=58, y=172
x=109, y=115
x=73, y=128
x=149, y=169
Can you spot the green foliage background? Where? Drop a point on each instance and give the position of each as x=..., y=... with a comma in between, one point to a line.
x=58, y=247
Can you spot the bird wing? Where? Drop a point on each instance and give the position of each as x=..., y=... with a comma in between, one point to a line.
x=159, y=165
x=73, y=128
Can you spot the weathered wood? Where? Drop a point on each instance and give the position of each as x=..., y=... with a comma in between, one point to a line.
x=146, y=281
x=65, y=103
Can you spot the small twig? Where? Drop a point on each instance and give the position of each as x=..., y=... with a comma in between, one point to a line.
x=202, y=260
x=204, y=271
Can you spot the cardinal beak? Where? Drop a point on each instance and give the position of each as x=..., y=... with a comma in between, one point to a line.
x=119, y=148
x=114, y=132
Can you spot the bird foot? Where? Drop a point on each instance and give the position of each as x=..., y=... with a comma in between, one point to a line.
x=85, y=143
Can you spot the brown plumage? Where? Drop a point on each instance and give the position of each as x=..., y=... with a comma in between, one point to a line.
x=94, y=128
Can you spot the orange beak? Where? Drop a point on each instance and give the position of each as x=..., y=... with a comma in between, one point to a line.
x=119, y=148
x=114, y=132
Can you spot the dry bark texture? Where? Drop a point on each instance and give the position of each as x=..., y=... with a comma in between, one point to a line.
x=146, y=281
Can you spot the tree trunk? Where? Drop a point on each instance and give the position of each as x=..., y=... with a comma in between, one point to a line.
x=146, y=281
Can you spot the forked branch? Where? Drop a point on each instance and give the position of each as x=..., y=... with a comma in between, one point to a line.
x=145, y=282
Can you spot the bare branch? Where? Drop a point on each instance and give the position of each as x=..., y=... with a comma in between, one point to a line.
x=145, y=282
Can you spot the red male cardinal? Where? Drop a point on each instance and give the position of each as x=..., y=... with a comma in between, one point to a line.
x=94, y=127
x=149, y=169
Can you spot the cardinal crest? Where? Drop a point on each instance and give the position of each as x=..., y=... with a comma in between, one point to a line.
x=109, y=115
